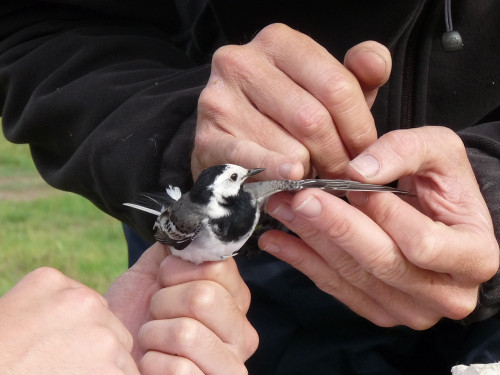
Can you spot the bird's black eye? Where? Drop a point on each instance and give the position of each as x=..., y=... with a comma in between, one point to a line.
x=234, y=177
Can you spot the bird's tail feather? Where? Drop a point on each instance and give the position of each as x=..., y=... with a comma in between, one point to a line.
x=142, y=208
x=348, y=185
x=153, y=203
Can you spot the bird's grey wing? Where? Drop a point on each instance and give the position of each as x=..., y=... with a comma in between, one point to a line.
x=178, y=227
x=342, y=186
x=260, y=191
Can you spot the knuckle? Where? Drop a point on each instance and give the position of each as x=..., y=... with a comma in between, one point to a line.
x=83, y=301
x=421, y=323
x=237, y=151
x=245, y=297
x=457, y=306
x=203, y=140
x=299, y=259
x=350, y=270
x=202, y=297
x=234, y=62
x=47, y=276
x=128, y=344
x=340, y=231
x=426, y=250
x=240, y=370
x=388, y=266
x=453, y=142
x=339, y=90
x=148, y=363
x=252, y=342
x=181, y=366
x=418, y=317
x=385, y=320
x=223, y=56
x=213, y=105
x=107, y=341
x=301, y=153
x=486, y=260
x=88, y=299
x=490, y=268
x=269, y=33
x=218, y=270
x=187, y=334
x=146, y=331
x=248, y=342
x=151, y=361
x=330, y=282
x=364, y=134
x=402, y=143
x=268, y=160
x=310, y=117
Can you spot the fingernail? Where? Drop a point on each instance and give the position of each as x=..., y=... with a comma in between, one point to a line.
x=283, y=212
x=286, y=170
x=310, y=208
x=378, y=57
x=366, y=165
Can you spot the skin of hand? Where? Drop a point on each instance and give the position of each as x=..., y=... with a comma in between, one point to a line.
x=283, y=103
x=395, y=260
x=185, y=318
x=52, y=324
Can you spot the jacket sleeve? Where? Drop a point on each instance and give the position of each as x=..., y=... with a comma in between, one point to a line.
x=483, y=148
x=107, y=104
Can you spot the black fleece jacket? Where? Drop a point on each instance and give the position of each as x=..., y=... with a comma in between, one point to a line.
x=105, y=91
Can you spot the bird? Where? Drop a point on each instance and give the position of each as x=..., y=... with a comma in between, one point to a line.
x=216, y=217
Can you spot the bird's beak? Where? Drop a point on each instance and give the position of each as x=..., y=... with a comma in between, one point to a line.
x=253, y=172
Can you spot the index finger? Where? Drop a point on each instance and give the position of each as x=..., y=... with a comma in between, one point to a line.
x=326, y=79
x=175, y=271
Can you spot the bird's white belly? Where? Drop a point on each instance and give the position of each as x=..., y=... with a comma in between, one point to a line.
x=206, y=247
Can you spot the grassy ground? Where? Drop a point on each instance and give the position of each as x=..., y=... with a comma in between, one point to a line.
x=40, y=226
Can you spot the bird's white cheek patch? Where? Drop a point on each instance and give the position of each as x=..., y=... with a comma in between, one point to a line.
x=215, y=210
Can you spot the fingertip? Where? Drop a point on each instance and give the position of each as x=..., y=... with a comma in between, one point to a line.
x=310, y=207
x=370, y=62
x=363, y=167
x=267, y=244
x=278, y=200
x=291, y=171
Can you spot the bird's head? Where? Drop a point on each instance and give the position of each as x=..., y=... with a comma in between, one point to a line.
x=228, y=183
x=223, y=181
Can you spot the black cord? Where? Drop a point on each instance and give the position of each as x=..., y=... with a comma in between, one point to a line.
x=447, y=15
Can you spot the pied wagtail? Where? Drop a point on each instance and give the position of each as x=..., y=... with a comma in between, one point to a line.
x=214, y=220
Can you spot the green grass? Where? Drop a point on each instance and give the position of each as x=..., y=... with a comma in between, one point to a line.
x=40, y=226
x=14, y=159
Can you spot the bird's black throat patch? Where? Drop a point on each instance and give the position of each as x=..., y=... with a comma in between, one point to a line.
x=240, y=220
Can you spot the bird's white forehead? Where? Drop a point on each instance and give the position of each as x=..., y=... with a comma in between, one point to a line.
x=224, y=186
x=230, y=170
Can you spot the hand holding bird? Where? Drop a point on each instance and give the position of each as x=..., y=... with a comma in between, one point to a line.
x=215, y=219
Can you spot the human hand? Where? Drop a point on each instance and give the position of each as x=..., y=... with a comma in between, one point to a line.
x=198, y=321
x=283, y=103
x=165, y=302
x=396, y=260
x=52, y=324
x=129, y=297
